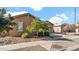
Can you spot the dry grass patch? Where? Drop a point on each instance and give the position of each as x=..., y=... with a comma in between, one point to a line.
x=14, y=40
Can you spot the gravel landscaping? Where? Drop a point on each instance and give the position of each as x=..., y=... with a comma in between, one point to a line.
x=11, y=40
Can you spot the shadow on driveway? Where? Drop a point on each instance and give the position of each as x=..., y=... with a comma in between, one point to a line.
x=60, y=38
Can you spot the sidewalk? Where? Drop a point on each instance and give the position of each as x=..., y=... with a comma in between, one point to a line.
x=45, y=44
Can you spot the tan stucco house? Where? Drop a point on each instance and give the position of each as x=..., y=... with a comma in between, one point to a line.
x=57, y=28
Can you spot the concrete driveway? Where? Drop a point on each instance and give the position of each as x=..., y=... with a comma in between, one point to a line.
x=51, y=45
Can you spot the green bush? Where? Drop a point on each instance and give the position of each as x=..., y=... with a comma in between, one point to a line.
x=46, y=33
x=25, y=35
x=43, y=33
x=40, y=33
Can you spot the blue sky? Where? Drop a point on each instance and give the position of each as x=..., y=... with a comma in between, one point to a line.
x=52, y=14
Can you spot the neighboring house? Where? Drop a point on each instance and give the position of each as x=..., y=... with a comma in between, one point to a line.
x=69, y=28
x=22, y=21
x=65, y=28
x=50, y=26
x=57, y=28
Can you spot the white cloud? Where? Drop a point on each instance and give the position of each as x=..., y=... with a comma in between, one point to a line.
x=58, y=19
x=16, y=13
x=64, y=16
x=37, y=8
x=73, y=14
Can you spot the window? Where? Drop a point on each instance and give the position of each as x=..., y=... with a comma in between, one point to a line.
x=20, y=26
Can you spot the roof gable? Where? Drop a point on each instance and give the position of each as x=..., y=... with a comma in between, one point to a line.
x=25, y=14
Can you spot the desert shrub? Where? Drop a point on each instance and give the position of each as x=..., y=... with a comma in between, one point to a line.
x=46, y=33
x=25, y=35
x=43, y=33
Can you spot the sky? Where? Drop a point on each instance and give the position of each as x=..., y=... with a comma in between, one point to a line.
x=56, y=15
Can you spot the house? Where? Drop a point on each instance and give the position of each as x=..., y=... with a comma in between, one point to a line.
x=22, y=21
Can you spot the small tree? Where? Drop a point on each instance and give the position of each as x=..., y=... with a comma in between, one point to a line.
x=36, y=25
x=6, y=22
